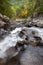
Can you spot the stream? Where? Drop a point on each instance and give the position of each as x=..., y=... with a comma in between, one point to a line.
x=32, y=55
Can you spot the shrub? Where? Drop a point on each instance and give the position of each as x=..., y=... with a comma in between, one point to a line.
x=20, y=8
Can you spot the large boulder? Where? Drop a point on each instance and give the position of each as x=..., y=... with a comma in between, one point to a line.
x=8, y=55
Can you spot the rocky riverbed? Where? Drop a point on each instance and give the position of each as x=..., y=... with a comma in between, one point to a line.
x=21, y=41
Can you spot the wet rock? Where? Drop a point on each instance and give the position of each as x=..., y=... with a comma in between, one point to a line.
x=29, y=22
x=33, y=55
x=13, y=24
x=31, y=36
x=4, y=22
x=35, y=20
x=21, y=34
x=3, y=33
x=4, y=18
x=17, y=23
x=38, y=22
x=20, y=45
x=14, y=60
x=11, y=56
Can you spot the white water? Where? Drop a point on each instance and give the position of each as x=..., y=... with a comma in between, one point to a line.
x=12, y=38
x=9, y=41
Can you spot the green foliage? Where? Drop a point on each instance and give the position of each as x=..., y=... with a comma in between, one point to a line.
x=23, y=8
x=41, y=6
x=19, y=8
x=5, y=8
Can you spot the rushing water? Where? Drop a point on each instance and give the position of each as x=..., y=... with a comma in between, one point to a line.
x=9, y=41
x=32, y=55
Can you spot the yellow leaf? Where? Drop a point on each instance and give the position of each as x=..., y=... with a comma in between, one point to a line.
x=24, y=12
